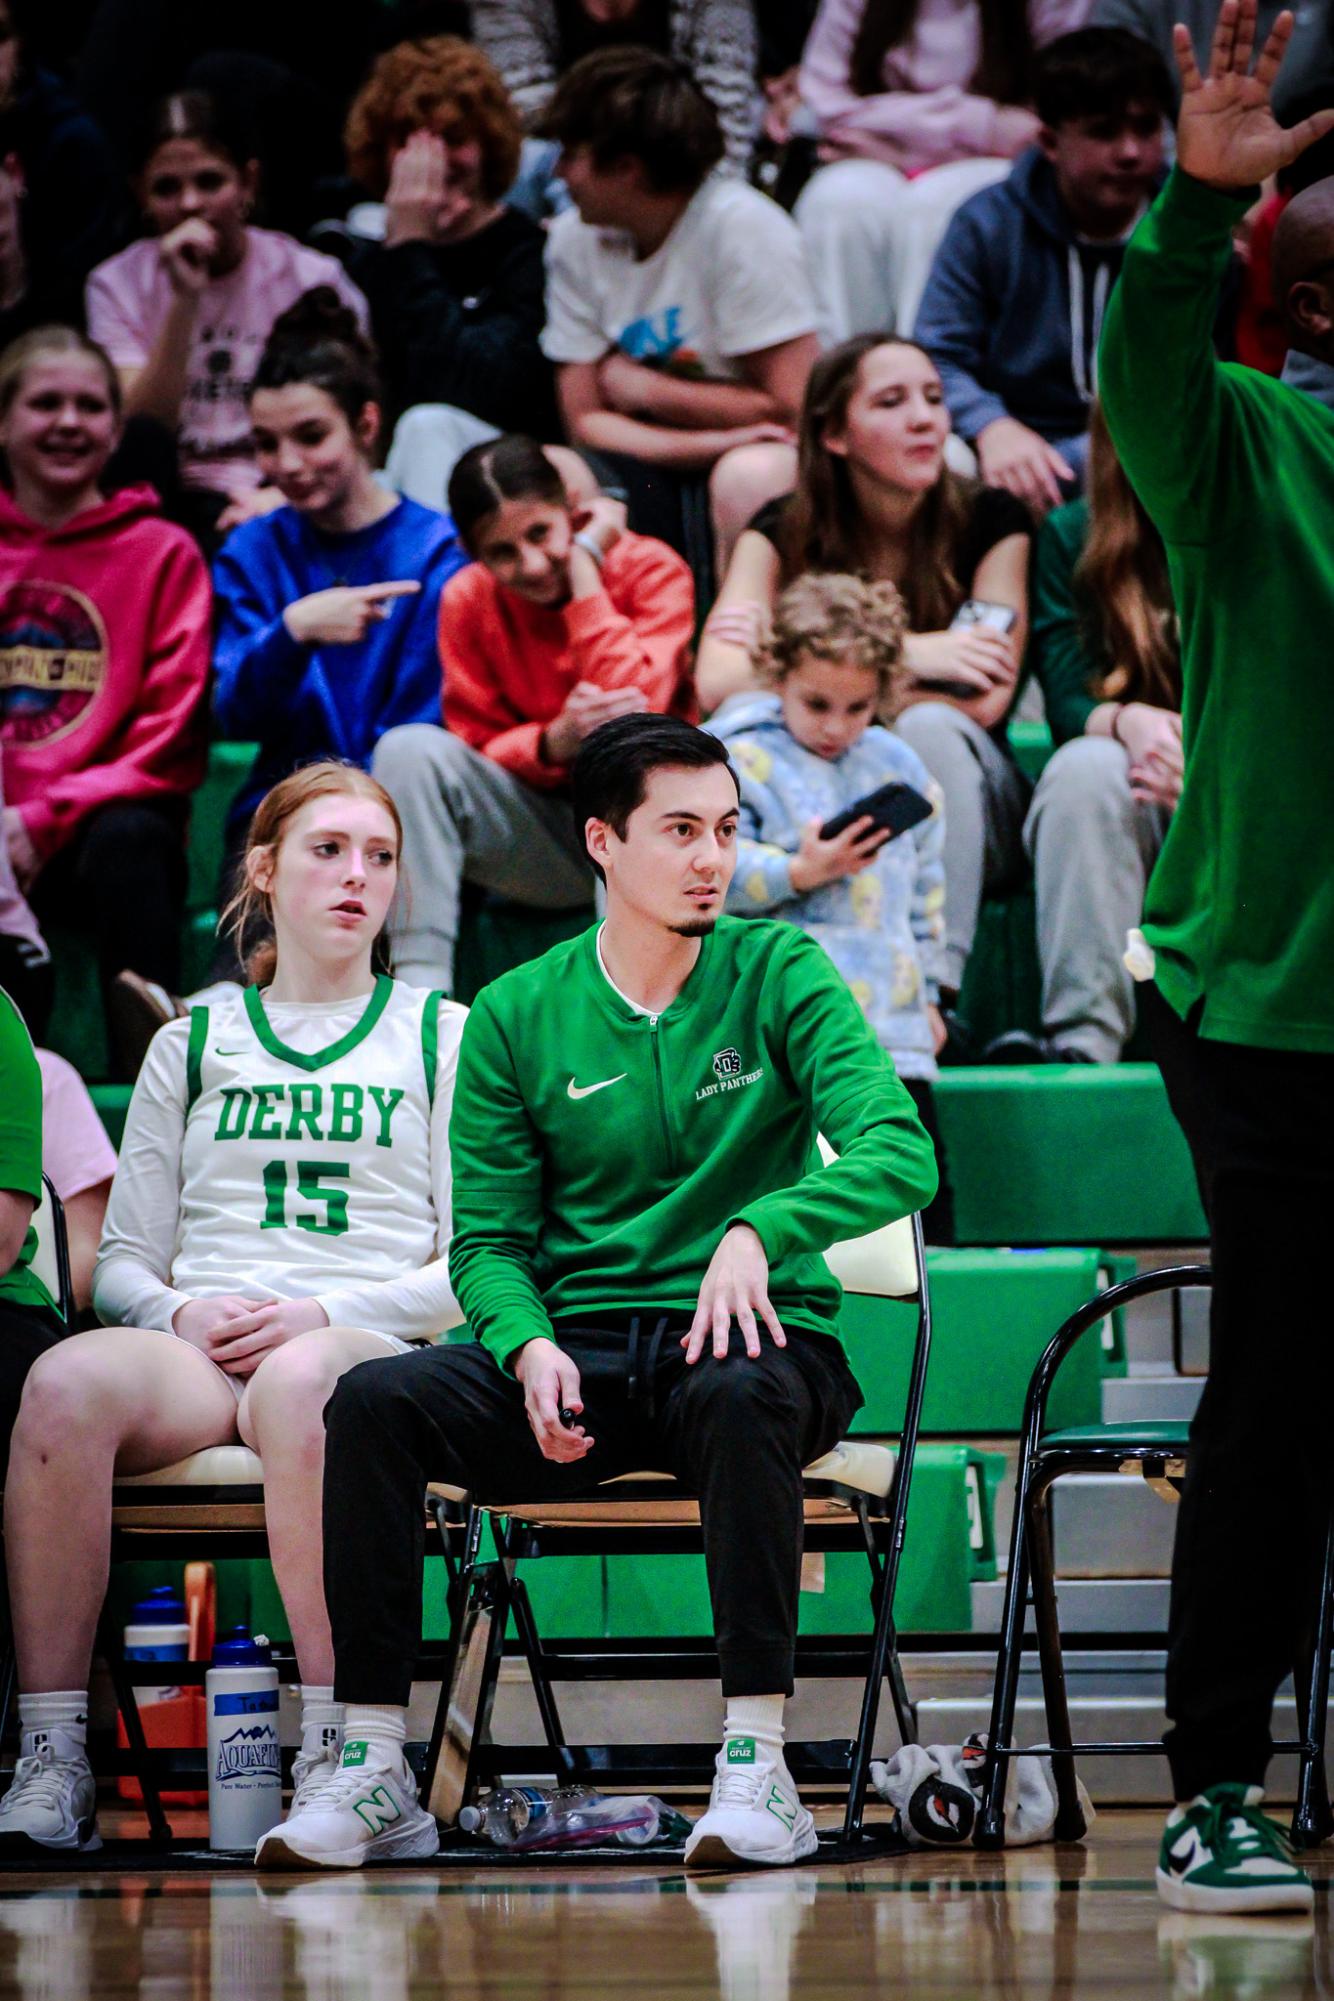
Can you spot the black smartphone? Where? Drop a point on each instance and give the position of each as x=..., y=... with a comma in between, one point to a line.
x=895, y=806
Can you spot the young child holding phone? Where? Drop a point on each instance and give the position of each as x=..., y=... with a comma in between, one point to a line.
x=809, y=747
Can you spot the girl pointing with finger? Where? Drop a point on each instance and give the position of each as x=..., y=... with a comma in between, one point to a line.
x=327, y=608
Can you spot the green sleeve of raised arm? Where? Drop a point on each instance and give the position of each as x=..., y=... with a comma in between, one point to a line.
x=1163, y=390
x=886, y=1166
x=497, y=1169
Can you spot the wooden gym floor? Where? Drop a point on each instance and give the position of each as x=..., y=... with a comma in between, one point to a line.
x=1040, y=1924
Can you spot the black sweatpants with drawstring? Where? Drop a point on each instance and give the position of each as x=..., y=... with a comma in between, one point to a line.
x=736, y=1432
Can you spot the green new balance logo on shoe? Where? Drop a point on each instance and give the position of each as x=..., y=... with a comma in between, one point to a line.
x=741, y=1750
x=354, y=1753
x=782, y=1808
x=379, y=1810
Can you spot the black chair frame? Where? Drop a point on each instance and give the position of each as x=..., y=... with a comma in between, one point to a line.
x=462, y=1756
x=1042, y=1462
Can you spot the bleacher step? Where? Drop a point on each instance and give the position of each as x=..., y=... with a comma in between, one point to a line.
x=1107, y=1525
x=1160, y=1397
x=1087, y=1605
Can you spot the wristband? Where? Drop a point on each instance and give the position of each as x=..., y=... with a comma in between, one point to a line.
x=590, y=546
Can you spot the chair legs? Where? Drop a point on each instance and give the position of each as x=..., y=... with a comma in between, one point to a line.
x=989, y=1831
x=1070, y=1823
x=884, y=1665
x=1312, y=1820
x=127, y=1701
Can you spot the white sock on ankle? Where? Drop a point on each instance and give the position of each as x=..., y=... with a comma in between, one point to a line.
x=62, y=1716
x=321, y=1719
x=381, y=1726
x=757, y=1716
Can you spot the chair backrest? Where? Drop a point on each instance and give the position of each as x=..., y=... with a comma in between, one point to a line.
x=50, y=1261
x=882, y=1264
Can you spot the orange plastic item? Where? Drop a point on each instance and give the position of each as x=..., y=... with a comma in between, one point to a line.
x=180, y=1723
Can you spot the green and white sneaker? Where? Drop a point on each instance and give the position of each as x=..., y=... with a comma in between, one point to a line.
x=755, y=1817
x=367, y=1811
x=1220, y=1853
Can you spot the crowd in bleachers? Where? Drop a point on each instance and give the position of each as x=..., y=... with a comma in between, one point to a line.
x=430, y=400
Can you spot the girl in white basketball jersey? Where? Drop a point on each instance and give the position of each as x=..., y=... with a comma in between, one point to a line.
x=280, y=1213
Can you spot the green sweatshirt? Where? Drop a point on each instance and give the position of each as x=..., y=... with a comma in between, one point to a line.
x=1059, y=653
x=599, y=1154
x=1237, y=472
x=20, y=1146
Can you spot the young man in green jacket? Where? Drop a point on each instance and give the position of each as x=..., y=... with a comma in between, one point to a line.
x=1237, y=473
x=639, y=1216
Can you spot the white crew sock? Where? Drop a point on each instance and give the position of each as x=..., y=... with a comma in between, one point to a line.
x=759, y=1717
x=61, y=1716
x=381, y=1726
x=321, y=1720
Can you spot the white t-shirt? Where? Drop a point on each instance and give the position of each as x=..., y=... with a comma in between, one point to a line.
x=292, y=1150
x=128, y=297
x=729, y=280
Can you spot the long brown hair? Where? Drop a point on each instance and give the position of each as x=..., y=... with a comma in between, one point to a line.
x=1122, y=577
x=822, y=527
x=250, y=906
x=1005, y=68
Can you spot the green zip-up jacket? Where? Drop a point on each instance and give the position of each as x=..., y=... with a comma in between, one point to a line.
x=1237, y=472
x=599, y=1154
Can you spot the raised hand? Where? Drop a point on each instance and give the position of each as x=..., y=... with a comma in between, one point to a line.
x=1227, y=135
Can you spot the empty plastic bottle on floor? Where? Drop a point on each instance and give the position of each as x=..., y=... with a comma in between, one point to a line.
x=530, y=1817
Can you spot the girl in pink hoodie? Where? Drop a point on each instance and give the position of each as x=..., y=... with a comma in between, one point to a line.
x=919, y=104
x=104, y=650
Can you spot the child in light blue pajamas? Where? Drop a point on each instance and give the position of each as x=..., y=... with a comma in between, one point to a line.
x=805, y=749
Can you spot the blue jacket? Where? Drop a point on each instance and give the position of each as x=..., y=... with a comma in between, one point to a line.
x=302, y=702
x=1014, y=305
x=882, y=928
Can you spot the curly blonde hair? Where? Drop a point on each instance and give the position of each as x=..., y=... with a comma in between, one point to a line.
x=847, y=620
x=441, y=84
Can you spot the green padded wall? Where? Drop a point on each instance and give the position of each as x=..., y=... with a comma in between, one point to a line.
x=992, y=1314
x=1067, y=1154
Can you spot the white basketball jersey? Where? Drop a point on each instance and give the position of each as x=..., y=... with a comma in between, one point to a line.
x=310, y=1165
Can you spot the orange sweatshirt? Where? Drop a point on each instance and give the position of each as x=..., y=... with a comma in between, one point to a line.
x=509, y=665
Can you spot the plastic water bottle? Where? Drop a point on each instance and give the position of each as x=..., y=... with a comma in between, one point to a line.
x=244, y=1764
x=158, y=1631
x=529, y=1817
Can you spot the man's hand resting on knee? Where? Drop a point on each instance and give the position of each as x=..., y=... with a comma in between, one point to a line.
x=736, y=1287
x=551, y=1384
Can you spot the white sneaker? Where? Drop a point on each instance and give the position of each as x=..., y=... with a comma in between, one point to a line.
x=314, y=1767
x=52, y=1802
x=363, y=1812
x=755, y=1817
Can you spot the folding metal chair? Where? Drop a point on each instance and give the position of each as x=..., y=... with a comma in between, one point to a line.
x=856, y=1498
x=1155, y=1451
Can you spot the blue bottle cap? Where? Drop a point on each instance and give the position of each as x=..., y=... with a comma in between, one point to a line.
x=237, y=1649
x=162, y=1607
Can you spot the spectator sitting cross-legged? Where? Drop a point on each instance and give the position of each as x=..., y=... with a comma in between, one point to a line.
x=1105, y=652
x=563, y=621
x=184, y=314
x=678, y=311
x=328, y=607
x=456, y=285
x=104, y=643
x=919, y=103
x=1015, y=301
x=875, y=497
x=806, y=749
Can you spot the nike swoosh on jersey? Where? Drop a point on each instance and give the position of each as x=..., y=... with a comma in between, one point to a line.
x=228, y=1052
x=574, y=1090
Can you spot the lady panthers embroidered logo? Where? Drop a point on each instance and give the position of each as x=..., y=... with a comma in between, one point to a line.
x=727, y=1063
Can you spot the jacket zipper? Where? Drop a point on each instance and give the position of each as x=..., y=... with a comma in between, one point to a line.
x=668, y=1147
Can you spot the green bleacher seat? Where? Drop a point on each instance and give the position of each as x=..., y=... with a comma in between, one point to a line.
x=1031, y=744
x=1067, y=1154
x=992, y=1314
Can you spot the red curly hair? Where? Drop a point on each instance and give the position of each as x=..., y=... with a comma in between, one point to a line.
x=442, y=84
